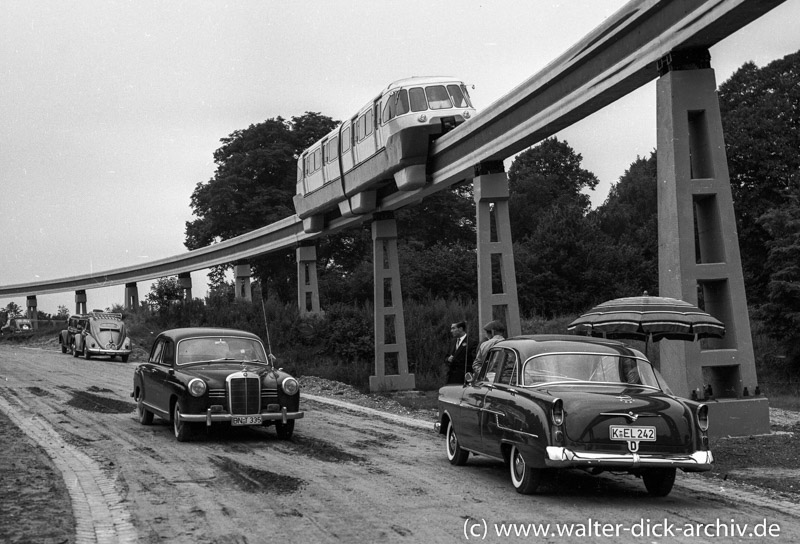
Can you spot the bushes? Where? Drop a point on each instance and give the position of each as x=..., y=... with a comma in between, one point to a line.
x=338, y=345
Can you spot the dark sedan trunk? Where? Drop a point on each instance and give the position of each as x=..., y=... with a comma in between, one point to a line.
x=592, y=411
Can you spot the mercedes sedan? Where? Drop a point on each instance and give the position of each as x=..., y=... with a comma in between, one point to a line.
x=199, y=377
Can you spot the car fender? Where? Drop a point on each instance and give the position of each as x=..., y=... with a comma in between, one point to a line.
x=532, y=439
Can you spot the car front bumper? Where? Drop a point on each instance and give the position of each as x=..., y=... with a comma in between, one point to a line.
x=559, y=457
x=211, y=416
x=110, y=352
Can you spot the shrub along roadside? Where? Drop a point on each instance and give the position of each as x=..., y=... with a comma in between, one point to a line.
x=339, y=344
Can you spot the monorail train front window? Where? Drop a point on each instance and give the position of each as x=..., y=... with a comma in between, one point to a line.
x=438, y=97
x=396, y=104
x=466, y=96
x=418, y=100
x=458, y=97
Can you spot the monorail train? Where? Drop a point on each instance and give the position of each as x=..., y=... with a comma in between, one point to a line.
x=385, y=142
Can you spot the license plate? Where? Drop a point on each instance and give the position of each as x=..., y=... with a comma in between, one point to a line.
x=245, y=420
x=622, y=432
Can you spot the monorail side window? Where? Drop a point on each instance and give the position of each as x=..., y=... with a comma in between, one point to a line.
x=459, y=101
x=438, y=98
x=418, y=100
x=370, y=121
x=332, y=151
x=346, y=139
x=317, y=159
x=361, y=128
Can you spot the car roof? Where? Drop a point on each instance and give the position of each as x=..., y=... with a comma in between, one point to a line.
x=537, y=344
x=194, y=332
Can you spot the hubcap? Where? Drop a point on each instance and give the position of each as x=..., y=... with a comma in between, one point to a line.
x=519, y=466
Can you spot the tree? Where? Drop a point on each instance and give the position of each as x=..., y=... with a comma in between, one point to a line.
x=253, y=187
x=164, y=292
x=542, y=177
x=629, y=217
x=63, y=312
x=781, y=312
x=761, y=121
x=13, y=310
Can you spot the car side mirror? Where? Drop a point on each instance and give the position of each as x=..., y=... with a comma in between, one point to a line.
x=468, y=378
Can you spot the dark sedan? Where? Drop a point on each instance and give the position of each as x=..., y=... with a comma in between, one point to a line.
x=546, y=402
x=197, y=377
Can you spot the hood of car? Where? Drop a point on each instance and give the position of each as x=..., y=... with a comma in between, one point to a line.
x=609, y=416
x=215, y=374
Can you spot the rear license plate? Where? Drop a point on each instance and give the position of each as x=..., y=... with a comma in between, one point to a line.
x=621, y=432
x=245, y=420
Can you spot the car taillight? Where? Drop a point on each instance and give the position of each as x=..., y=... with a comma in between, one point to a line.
x=557, y=412
x=702, y=417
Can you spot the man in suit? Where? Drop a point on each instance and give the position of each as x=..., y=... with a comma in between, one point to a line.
x=460, y=353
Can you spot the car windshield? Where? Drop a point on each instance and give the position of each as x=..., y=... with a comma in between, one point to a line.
x=220, y=349
x=589, y=367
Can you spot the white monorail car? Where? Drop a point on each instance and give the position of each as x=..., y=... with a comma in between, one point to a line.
x=386, y=141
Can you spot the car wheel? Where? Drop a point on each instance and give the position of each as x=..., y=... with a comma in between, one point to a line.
x=63, y=348
x=525, y=478
x=124, y=358
x=182, y=429
x=285, y=430
x=455, y=454
x=73, y=350
x=659, y=481
x=145, y=415
x=86, y=354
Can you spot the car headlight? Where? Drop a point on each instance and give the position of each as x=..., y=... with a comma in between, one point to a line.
x=197, y=387
x=290, y=386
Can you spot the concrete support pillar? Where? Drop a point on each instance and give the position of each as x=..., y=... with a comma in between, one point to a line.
x=32, y=311
x=243, y=286
x=185, y=281
x=391, y=355
x=131, y=296
x=80, y=301
x=698, y=245
x=307, y=285
x=496, y=299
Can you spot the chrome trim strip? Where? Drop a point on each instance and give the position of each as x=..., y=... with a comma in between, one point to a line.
x=282, y=416
x=509, y=429
x=693, y=462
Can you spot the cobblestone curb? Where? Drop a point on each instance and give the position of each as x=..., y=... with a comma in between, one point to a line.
x=100, y=513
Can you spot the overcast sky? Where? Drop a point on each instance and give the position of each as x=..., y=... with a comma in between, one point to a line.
x=110, y=110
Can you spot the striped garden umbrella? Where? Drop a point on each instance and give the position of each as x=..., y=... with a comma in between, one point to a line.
x=648, y=318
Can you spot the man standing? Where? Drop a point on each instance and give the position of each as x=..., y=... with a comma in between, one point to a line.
x=495, y=331
x=460, y=353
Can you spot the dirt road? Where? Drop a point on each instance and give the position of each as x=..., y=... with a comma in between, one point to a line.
x=345, y=477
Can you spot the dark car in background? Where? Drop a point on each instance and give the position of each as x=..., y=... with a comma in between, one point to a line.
x=96, y=334
x=551, y=402
x=199, y=377
x=66, y=338
x=17, y=325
